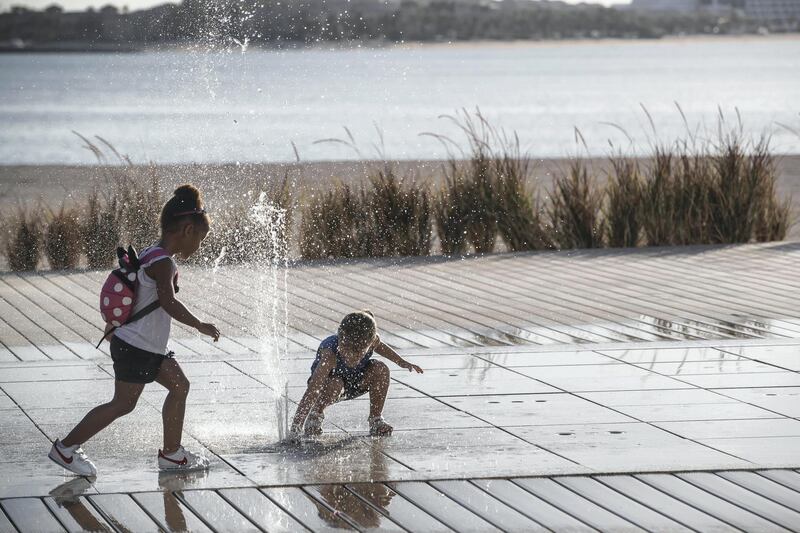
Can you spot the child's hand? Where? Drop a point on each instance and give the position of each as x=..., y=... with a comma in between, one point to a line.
x=209, y=329
x=411, y=368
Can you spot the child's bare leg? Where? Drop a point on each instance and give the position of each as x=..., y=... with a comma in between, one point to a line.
x=173, y=379
x=331, y=392
x=376, y=381
x=125, y=397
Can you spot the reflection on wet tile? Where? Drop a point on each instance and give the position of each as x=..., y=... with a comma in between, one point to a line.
x=262, y=511
x=409, y=413
x=465, y=362
x=549, y=359
x=307, y=509
x=711, y=411
x=535, y=409
x=718, y=429
x=354, y=509
x=169, y=512
x=509, y=460
x=443, y=508
x=453, y=382
x=787, y=357
x=331, y=459
x=218, y=513
x=708, y=367
x=615, y=447
x=587, y=378
x=124, y=513
x=490, y=508
x=144, y=476
x=396, y=507
x=759, y=379
x=30, y=514
x=36, y=477
x=670, y=355
x=656, y=397
x=782, y=400
x=77, y=514
x=449, y=438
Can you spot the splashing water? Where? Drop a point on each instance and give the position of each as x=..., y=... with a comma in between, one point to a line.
x=271, y=320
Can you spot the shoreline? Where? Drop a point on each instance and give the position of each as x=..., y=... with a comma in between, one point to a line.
x=105, y=48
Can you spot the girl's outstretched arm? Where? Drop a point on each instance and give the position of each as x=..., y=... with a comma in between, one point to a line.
x=316, y=385
x=386, y=351
x=162, y=273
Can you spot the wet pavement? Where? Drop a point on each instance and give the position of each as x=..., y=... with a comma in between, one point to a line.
x=663, y=431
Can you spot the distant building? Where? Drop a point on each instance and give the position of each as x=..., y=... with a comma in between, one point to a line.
x=773, y=10
x=766, y=10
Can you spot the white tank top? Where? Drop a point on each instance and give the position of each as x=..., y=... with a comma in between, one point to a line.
x=151, y=332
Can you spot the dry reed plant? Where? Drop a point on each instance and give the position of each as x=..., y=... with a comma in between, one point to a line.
x=576, y=209
x=101, y=232
x=400, y=214
x=23, y=240
x=63, y=244
x=624, y=198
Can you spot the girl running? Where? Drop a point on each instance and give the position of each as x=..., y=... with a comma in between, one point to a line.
x=139, y=348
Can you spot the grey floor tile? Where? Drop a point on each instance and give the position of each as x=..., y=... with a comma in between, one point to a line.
x=647, y=356
x=781, y=400
x=443, y=508
x=458, y=382
x=787, y=357
x=589, y=378
x=262, y=511
x=77, y=514
x=354, y=509
x=307, y=510
x=169, y=512
x=399, y=509
x=761, y=451
x=216, y=511
x=721, y=429
x=31, y=514
x=536, y=409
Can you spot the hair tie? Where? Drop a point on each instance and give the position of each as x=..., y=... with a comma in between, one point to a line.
x=192, y=212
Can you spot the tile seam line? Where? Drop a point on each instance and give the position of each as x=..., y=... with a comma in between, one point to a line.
x=25, y=280
x=241, y=511
x=757, y=470
x=642, y=502
x=385, y=512
x=754, y=511
x=555, y=479
x=689, y=503
x=152, y=517
x=759, y=493
x=22, y=335
x=472, y=482
x=672, y=432
x=179, y=496
x=341, y=514
x=492, y=498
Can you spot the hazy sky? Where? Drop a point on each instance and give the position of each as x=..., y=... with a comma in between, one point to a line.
x=72, y=5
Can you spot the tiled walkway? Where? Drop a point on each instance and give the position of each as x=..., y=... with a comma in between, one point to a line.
x=545, y=372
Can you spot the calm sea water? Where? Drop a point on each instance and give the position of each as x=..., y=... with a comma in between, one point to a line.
x=181, y=106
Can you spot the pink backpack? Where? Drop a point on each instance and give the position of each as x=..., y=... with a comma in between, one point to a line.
x=118, y=295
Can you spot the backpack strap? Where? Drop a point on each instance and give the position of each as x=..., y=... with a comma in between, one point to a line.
x=141, y=313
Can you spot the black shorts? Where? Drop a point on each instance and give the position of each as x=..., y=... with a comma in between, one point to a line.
x=134, y=365
x=353, y=383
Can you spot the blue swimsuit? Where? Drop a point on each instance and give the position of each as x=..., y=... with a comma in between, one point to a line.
x=351, y=376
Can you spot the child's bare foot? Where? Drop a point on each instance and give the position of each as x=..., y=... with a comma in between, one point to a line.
x=313, y=425
x=379, y=428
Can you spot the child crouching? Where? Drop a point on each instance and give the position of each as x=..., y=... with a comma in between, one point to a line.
x=343, y=370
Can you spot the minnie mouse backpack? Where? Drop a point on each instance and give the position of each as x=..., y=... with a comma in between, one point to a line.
x=118, y=295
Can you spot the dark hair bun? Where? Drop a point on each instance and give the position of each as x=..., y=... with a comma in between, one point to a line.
x=188, y=193
x=368, y=313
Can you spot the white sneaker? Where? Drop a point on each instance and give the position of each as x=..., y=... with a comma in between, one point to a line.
x=182, y=460
x=313, y=425
x=73, y=458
